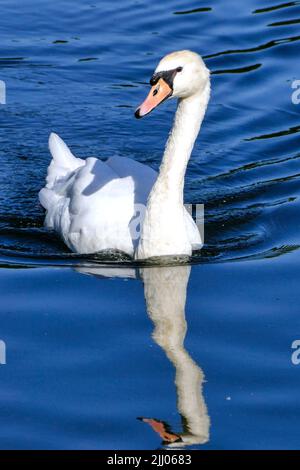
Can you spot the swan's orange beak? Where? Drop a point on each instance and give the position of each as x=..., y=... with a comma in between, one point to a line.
x=158, y=93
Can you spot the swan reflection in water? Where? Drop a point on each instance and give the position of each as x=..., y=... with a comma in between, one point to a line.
x=165, y=291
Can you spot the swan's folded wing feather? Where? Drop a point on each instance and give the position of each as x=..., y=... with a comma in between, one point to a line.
x=100, y=211
x=63, y=161
x=143, y=176
x=91, y=203
x=60, y=177
x=91, y=208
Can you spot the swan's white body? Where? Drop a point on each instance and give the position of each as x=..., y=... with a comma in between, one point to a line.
x=96, y=205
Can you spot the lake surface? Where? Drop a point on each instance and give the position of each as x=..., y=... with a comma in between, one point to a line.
x=202, y=352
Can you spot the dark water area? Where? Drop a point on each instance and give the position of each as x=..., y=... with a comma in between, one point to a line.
x=92, y=343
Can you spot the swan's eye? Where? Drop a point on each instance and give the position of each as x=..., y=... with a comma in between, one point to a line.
x=179, y=69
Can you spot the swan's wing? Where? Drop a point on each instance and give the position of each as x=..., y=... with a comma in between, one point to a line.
x=63, y=161
x=91, y=208
x=91, y=203
x=143, y=176
x=60, y=173
x=101, y=207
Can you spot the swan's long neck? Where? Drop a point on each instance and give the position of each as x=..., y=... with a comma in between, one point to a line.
x=188, y=119
x=164, y=229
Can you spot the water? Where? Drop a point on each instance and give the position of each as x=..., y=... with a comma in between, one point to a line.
x=92, y=344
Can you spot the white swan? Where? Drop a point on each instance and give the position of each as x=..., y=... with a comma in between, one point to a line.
x=96, y=205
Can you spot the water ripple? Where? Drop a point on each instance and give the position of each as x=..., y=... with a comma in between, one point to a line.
x=277, y=7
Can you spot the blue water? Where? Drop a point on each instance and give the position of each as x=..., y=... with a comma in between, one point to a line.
x=92, y=344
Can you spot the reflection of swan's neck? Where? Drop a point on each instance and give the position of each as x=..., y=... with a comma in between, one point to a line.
x=165, y=294
x=188, y=119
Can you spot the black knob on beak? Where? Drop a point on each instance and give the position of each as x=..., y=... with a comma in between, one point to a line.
x=137, y=113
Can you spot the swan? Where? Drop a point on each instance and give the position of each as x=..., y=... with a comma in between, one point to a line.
x=121, y=204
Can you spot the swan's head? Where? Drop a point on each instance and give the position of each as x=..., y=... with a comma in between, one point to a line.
x=180, y=74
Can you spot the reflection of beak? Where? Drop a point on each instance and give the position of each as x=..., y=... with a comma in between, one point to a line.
x=158, y=93
x=162, y=429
